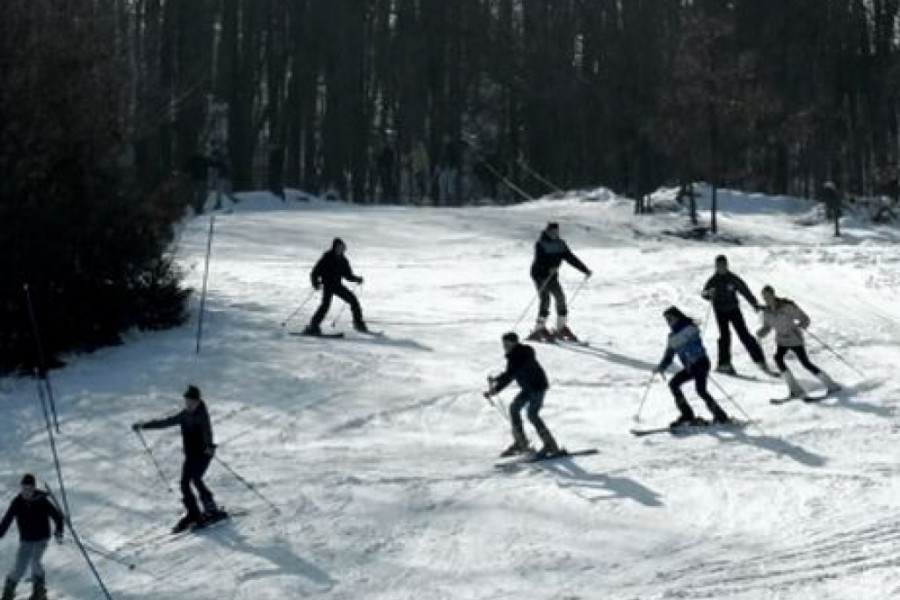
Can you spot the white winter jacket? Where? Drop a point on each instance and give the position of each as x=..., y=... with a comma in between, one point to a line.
x=788, y=321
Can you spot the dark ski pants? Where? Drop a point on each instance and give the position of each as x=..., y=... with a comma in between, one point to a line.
x=800, y=353
x=699, y=372
x=344, y=294
x=552, y=288
x=533, y=400
x=192, y=472
x=735, y=318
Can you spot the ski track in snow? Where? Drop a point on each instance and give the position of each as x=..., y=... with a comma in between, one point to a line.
x=378, y=452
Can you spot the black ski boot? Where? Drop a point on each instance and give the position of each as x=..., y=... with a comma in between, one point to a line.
x=550, y=447
x=38, y=588
x=185, y=523
x=312, y=330
x=360, y=326
x=540, y=334
x=685, y=420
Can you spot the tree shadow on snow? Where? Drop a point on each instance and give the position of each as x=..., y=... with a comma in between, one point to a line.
x=610, y=356
x=573, y=476
x=283, y=560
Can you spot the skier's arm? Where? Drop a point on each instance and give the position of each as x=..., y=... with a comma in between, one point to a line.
x=573, y=260
x=746, y=293
x=666, y=359
x=7, y=518
x=56, y=516
x=799, y=317
x=315, y=276
x=165, y=422
x=707, y=292
x=206, y=431
x=347, y=273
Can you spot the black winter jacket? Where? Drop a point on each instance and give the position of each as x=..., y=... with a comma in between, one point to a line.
x=331, y=269
x=33, y=517
x=196, y=430
x=722, y=291
x=523, y=367
x=549, y=254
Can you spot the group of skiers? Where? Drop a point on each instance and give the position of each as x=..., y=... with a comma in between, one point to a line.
x=33, y=510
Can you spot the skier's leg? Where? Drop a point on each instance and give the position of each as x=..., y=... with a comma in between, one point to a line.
x=723, y=321
x=536, y=401
x=20, y=565
x=795, y=390
x=206, y=497
x=520, y=442
x=356, y=310
x=540, y=332
x=747, y=339
x=37, y=556
x=320, y=313
x=830, y=384
x=188, y=469
x=687, y=413
x=701, y=373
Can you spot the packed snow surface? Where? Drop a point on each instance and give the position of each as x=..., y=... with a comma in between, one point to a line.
x=379, y=452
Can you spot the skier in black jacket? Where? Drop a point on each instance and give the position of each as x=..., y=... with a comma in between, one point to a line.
x=722, y=290
x=328, y=275
x=199, y=448
x=549, y=253
x=32, y=511
x=523, y=367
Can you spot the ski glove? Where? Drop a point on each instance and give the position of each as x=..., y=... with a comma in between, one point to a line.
x=137, y=427
x=359, y=280
x=317, y=285
x=210, y=450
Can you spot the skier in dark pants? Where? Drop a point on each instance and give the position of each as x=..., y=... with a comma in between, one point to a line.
x=328, y=275
x=32, y=511
x=549, y=253
x=685, y=341
x=199, y=449
x=788, y=320
x=523, y=367
x=722, y=289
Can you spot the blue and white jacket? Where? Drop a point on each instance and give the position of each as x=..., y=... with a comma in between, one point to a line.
x=685, y=341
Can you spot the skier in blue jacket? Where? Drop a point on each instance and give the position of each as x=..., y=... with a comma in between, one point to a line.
x=685, y=341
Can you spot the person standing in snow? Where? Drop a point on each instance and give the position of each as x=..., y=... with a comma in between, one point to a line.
x=685, y=342
x=788, y=320
x=722, y=290
x=199, y=449
x=523, y=367
x=328, y=275
x=32, y=511
x=549, y=252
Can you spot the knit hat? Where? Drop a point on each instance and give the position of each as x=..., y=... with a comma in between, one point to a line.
x=192, y=393
x=511, y=337
x=552, y=225
x=337, y=242
x=28, y=479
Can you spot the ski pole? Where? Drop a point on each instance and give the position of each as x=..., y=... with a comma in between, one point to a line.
x=247, y=484
x=299, y=308
x=637, y=415
x=838, y=356
x=159, y=471
x=108, y=555
x=498, y=405
x=578, y=290
x=736, y=405
x=533, y=299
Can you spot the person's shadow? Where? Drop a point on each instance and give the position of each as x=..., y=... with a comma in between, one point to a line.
x=608, y=355
x=779, y=446
x=846, y=399
x=604, y=486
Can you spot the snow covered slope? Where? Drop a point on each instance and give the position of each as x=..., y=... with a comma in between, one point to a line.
x=378, y=452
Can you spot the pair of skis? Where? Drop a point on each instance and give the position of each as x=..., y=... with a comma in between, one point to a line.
x=531, y=457
x=683, y=430
x=337, y=335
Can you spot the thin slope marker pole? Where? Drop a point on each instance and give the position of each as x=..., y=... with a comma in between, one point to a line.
x=209, y=241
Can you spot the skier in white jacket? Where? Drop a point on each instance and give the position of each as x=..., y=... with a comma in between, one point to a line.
x=789, y=321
